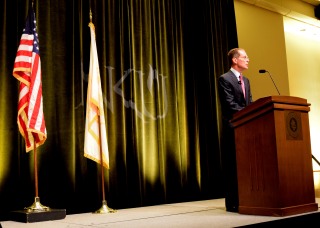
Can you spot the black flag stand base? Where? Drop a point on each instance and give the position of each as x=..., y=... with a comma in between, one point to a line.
x=37, y=213
x=37, y=206
x=104, y=209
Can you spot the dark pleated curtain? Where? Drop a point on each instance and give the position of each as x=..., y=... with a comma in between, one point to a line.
x=159, y=61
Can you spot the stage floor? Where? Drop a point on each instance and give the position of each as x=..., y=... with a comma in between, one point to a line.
x=207, y=213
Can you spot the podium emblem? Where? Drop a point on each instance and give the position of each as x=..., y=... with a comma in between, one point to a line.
x=293, y=125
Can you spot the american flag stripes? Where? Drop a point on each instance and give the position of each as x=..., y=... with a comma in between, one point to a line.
x=27, y=69
x=95, y=142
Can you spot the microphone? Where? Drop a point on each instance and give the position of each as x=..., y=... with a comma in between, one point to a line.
x=262, y=71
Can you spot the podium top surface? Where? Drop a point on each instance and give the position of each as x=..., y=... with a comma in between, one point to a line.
x=279, y=102
x=284, y=100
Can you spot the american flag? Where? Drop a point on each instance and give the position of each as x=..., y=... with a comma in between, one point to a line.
x=95, y=142
x=27, y=69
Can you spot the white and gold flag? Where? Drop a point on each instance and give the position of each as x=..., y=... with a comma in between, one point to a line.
x=95, y=129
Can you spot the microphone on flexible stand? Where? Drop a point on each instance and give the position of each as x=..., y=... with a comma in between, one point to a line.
x=262, y=71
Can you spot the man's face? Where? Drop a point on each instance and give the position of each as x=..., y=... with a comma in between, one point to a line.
x=242, y=62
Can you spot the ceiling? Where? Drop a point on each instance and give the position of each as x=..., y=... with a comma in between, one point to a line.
x=303, y=26
x=312, y=2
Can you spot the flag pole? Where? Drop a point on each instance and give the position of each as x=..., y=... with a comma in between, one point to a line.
x=104, y=208
x=36, y=206
x=27, y=69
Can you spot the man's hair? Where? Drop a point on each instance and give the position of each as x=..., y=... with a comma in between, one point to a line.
x=233, y=53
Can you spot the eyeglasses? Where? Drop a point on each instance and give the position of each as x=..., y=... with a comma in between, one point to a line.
x=244, y=58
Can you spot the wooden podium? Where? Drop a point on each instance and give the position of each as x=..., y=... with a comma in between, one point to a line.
x=274, y=160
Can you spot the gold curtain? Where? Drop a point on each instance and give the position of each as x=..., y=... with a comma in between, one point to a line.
x=159, y=60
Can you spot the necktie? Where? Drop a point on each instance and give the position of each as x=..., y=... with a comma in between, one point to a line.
x=242, y=85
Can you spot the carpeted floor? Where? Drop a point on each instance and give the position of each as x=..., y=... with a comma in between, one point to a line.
x=207, y=213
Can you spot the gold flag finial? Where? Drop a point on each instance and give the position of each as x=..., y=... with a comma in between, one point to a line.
x=90, y=23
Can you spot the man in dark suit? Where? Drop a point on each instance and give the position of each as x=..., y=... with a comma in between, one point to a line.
x=234, y=95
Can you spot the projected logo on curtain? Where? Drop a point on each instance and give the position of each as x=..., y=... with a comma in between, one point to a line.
x=154, y=93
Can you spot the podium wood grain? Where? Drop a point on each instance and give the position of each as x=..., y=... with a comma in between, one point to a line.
x=274, y=159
